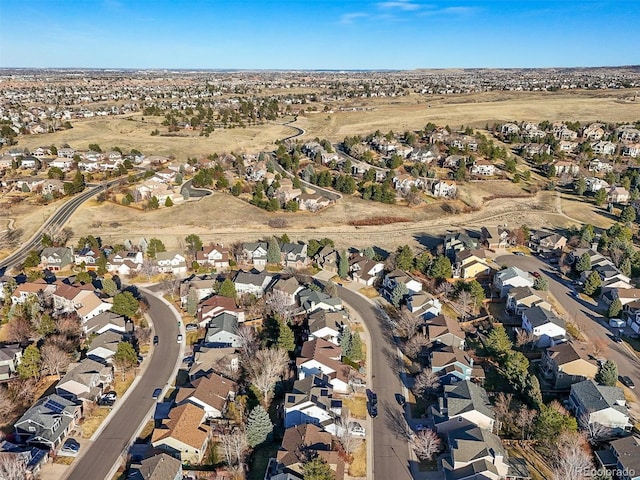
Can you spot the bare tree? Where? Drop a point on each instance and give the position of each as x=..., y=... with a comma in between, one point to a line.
x=69, y=325
x=595, y=432
x=171, y=284
x=426, y=382
x=19, y=329
x=524, y=337
x=249, y=343
x=148, y=268
x=7, y=405
x=265, y=369
x=524, y=421
x=426, y=444
x=464, y=300
x=143, y=334
x=445, y=288
x=503, y=412
x=54, y=359
x=600, y=347
x=573, y=457
x=22, y=392
x=13, y=466
x=407, y=325
x=278, y=303
x=234, y=447
x=414, y=346
x=345, y=426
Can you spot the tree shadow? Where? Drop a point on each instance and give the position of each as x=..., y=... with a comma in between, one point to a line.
x=396, y=421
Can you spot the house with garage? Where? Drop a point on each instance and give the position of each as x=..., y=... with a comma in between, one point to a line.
x=424, y=305
x=319, y=356
x=125, y=262
x=214, y=255
x=56, y=258
x=253, y=282
x=87, y=257
x=200, y=286
x=444, y=189
x=494, y=237
x=157, y=467
x=28, y=290
x=392, y=279
x=365, y=271
x=463, y=404
x=451, y=364
x=326, y=325
x=312, y=300
x=172, y=262
x=104, y=346
x=592, y=403
x=547, y=328
x=618, y=195
x=483, y=167
x=455, y=242
x=544, y=241
x=214, y=306
x=327, y=259
x=622, y=456
x=294, y=255
x=254, y=253
x=311, y=401
x=520, y=299
x=567, y=363
x=184, y=435
x=85, y=381
x=287, y=290
x=47, y=422
x=511, y=277
x=10, y=358
x=475, y=453
x=210, y=392
x=222, y=332
x=473, y=264
x=444, y=330
x=81, y=300
x=594, y=184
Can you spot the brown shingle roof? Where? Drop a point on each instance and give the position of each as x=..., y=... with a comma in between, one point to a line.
x=185, y=425
x=212, y=390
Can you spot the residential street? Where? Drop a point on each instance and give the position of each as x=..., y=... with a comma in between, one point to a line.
x=391, y=458
x=96, y=462
x=591, y=323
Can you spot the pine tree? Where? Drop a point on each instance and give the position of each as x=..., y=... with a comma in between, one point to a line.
x=259, y=426
x=584, y=263
x=317, y=468
x=343, y=265
x=541, y=283
x=29, y=366
x=607, y=374
x=286, y=338
x=168, y=202
x=192, y=302
x=109, y=287
x=498, y=342
x=398, y=293
x=273, y=251
x=440, y=267
x=356, y=353
x=592, y=284
x=614, y=309
x=369, y=253
x=345, y=342
x=227, y=289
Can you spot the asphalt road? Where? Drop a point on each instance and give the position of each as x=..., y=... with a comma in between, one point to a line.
x=96, y=462
x=390, y=447
x=591, y=323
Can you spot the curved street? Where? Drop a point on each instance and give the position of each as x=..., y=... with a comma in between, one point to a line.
x=391, y=458
x=98, y=460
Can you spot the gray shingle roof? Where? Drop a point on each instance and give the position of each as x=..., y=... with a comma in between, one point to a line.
x=538, y=316
x=594, y=397
x=158, y=467
x=465, y=397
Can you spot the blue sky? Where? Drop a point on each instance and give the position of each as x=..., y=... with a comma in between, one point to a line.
x=318, y=34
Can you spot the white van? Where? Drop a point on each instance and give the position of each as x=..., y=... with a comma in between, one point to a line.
x=616, y=323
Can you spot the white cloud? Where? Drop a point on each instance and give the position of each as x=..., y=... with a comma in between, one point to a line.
x=405, y=5
x=348, y=18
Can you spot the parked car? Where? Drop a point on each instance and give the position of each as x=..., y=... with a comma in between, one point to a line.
x=70, y=446
x=617, y=339
x=627, y=382
x=155, y=339
x=191, y=327
x=400, y=399
x=156, y=393
x=113, y=396
x=373, y=397
x=520, y=254
x=535, y=274
x=373, y=410
x=179, y=338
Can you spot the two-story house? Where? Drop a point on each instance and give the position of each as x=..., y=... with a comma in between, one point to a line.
x=215, y=256
x=312, y=300
x=547, y=327
x=85, y=381
x=475, y=453
x=294, y=255
x=210, y=392
x=48, y=421
x=319, y=356
x=607, y=406
x=520, y=299
x=10, y=357
x=565, y=364
x=254, y=254
x=463, y=404
x=56, y=258
x=445, y=330
x=183, y=435
x=506, y=279
x=622, y=457
x=364, y=270
x=311, y=401
x=451, y=364
x=171, y=262
x=252, y=283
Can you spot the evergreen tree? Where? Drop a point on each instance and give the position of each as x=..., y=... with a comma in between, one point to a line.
x=259, y=426
x=551, y=422
x=628, y=214
x=168, y=202
x=592, y=284
x=600, y=197
x=404, y=258
x=273, y=251
x=541, y=283
x=101, y=264
x=343, y=265
x=192, y=302
x=345, y=342
x=398, y=293
x=587, y=234
x=440, y=267
x=29, y=366
x=125, y=357
x=369, y=253
x=356, y=353
x=193, y=243
x=316, y=468
x=581, y=186
x=498, y=342
x=109, y=287
x=227, y=289
x=125, y=304
x=153, y=203
x=155, y=246
x=286, y=338
x=584, y=263
x=614, y=309
x=607, y=374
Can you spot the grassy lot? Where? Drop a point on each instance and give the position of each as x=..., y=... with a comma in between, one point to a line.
x=574, y=331
x=64, y=460
x=448, y=311
x=358, y=466
x=357, y=405
x=91, y=424
x=121, y=386
x=538, y=469
x=145, y=433
x=369, y=292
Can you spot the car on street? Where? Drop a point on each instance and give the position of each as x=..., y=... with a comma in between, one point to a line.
x=535, y=274
x=156, y=393
x=627, y=382
x=617, y=339
x=70, y=445
x=372, y=396
x=179, y=340
x=191, y=327
x=520, y=254
x=155, y=339
x=373, y=410
x=400, y=399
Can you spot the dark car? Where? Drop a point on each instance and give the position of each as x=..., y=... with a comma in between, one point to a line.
x=156, y=393
x=373, y=410
x=155, y=339
x=373, y=398
x=71, y=446
x=617, y=339
x=111, y=396
x=400, y=399
x=627, y=382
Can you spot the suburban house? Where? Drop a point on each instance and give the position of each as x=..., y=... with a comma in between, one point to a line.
x=125, y=263
x=392, y=279
x=599, y=166
x=210, y=360
x=287, y=290
x=566, y=364
x=81, y=300
x=446, y=331
x=424, y=305
x=311, y=401
x=506, y=279
x=294, y=255
x=565, y=166
x=183, y=435
x=593, y=403
x=326, y=325
x=298, y=443
x=494, y=237
x=33, y=457
x=548, y=328
x=222, y=332
x=312, y=202
x=85, y=381
x=312, y=300
x=622, y=456
x=327, y=259
x=520, y=299
x=30, y=289
x=444, y=189
x=47, y=422
x=202, y=286
x=451, y=364
x=618, y=195
x=319, y=356
x=157, y=467
x=632, y=311
x=254, y=254
x=104, y=322
x=215, y=256
x=104, y=346
x=483, y=167
x=457, y=242
x=210, y=392
x=10, y=357
x=463, y=404
x=543, y=241
x=252, y=283
x=56, y=258
x=625, y=295
x=87, y=256
x=473, y=264
x=216, y=305
x=364, y=270
x=475, y=454
x=594, y=184
x=171, y=262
